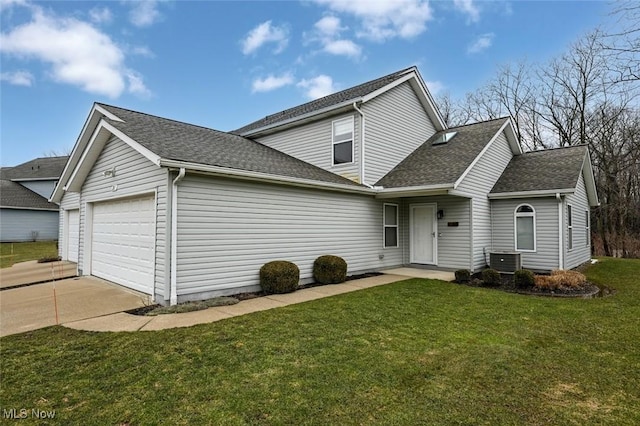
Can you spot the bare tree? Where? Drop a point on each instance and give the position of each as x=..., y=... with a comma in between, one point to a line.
x=622, y=44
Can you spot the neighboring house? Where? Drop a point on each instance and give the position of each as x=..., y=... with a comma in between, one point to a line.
x=371, y=174
x=25, y=212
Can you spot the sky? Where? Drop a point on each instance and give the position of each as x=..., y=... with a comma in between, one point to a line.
x=225, y=64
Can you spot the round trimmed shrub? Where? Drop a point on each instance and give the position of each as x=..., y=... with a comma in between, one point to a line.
x=524, y=278
x=463, y=276
x=279, y=276
x=330, y=269
x=491, y=277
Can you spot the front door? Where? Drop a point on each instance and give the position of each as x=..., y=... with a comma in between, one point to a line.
x=423, y=234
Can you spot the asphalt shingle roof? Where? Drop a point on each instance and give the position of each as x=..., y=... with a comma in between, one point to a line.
x=14, y=195
x=38, y=168
x=352, y=93
x=174, y=140
x=542, y=170
x=444, y=163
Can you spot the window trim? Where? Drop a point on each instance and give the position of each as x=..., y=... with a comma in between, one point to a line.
x=532, y=215
x=333, y=142
x=587, y=227
x=385, y=226
x=569, y=227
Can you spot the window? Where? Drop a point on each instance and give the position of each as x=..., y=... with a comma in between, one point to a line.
x=525, y=224
x=569, y=227
x=390, y=225
x=587, y=227
x=342, y=141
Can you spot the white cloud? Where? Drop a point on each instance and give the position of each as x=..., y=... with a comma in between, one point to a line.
x=271, y=82
x=434, y=87
x=265, y=33
x=136, y=84
x=483, y=42
x=343, y=47
x=329, y=26
x=100, y=15
x=317, y=87
x=385, y=19
x=469, y=8
x=77, y=53
x=17, y=78
x=144, y=13
x=142, y=51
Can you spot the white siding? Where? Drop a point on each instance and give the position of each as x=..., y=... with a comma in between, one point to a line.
x=28, y=225
x=453, y=241
x=478, y=183
x=135, y=175
x=227, y=229
x=546, y=256
x=395, y=125
x=43, y=188
x=581, y=251
x=312, y=143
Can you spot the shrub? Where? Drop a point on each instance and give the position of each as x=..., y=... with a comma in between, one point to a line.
x=560, y=280
x=330, y=270
x=524, y=278
x=463, y=276
x=48, y=259
x=491, y=277
x=279, y=277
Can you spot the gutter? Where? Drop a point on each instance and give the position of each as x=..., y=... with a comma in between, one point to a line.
x=173, y=298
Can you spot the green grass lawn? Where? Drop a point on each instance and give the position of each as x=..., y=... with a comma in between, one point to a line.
x=413, y=352
x=11, y=253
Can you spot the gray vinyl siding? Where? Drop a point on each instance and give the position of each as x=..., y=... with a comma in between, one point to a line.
x=228, y=229
x=70, y=201
x=453, y=241
x=478, y=183
x=546, y=256
x=28, y=225
x=43, y=188
x=312, y=143
x=135, y=175
x=395, y=125
x=581, y=251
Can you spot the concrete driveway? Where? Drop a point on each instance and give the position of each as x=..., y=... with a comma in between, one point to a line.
x=29, y=308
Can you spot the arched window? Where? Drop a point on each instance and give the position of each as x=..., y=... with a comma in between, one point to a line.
x=525, y=228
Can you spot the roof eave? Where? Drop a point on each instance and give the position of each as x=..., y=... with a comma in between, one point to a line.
x=264, y=177
x=531, y=194
x=414, y=191
x=30, y=208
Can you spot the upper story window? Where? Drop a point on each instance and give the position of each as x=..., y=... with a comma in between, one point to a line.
x=342, y=140
x=525, y=224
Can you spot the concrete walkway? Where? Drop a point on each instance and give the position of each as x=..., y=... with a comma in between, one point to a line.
x=33, y=272
x=126, y=322
x=33, y=307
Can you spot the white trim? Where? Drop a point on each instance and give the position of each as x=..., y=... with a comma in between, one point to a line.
x=434, y=207
x=264, y=177
x=471, y=234
x=362, y=143
x=570, y=221
x=560, y=232
x=479, y=156
x=173, y=280
x=590, y=182
x=154, y=158
x=18, y=180
x=85, y=153
x=531, y=194
x=107, y=114
x=413, y=191
x=385, y=226
x=29, y=208
x=87, y=237
x=587, y=227
x=408, y=76
x=532, y=215
x=334, y=143
x=155, y=243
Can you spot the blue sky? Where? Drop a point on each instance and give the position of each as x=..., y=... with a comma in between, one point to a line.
x=224, y=64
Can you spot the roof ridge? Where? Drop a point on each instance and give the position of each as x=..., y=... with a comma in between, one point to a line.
x=477, y=122
x=166, y=119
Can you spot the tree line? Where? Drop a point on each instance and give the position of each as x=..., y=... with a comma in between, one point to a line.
x=587, y=95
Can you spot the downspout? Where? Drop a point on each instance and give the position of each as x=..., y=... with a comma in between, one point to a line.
x=560, y=229
x=174, y=237
x=362, y=147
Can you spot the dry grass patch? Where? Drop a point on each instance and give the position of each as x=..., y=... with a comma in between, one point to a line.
x=561, y=280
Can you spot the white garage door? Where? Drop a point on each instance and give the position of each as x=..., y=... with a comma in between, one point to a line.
x=73, y=234
x=123, y=242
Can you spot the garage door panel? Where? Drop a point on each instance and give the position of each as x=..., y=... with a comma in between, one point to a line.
x=123, y=242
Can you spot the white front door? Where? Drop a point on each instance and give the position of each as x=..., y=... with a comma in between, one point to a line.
x=423, y=234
